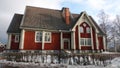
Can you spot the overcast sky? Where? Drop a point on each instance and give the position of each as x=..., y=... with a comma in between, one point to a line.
x=92, y=7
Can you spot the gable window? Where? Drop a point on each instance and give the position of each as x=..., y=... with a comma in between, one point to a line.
x=39, y=34
x=84, y=24
x=81, y=29
x=16, y=38
x=88, y=30
x=85, y=41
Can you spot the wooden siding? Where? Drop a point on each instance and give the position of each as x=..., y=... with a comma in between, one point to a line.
x=14, y=45
x=76, y=38
x=100, y=39
x=94, y=38
x=55, y=42
x=30, y=44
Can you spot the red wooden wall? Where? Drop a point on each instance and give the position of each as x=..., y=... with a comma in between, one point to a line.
x=100, y=39
x=14, y=45
x=30, y=44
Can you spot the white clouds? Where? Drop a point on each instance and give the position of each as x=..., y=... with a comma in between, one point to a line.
x=75, y=1
x=9, y=7
x=96, y=4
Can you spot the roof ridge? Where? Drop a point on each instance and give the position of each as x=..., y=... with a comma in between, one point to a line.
x=43, y=8
x=17, y=14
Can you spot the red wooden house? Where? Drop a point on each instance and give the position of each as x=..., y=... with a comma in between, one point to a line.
x=49, y=29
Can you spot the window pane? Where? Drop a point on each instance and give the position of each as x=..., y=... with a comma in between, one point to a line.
x=38, y=36
x=86, y=41
x=88, y=30
x=82, y=41
x=81, y=29
x=89, y=41
x=47, y=36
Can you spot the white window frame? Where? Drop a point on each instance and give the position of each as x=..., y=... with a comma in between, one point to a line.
x=85, y=41
x=81, y=29
x=38, y=32
x=88, y=30
x=46, y=41
x=17, y=38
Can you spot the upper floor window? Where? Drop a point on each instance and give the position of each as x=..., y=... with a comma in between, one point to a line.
x=81, y=29
x=88, y=30
x=39, y=34
x=85, y=41
x=16, y=38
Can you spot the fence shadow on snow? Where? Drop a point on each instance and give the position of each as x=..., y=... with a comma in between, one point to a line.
x=61, y=57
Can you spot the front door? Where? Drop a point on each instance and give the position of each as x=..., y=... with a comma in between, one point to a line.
x=66, y=43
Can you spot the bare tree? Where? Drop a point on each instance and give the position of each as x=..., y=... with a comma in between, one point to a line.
x=117, y=24
x=116, y=32
x=104, y=24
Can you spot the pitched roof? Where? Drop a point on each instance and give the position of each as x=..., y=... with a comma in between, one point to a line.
x=46, y=19
x=43, y=18
x=15, y=24
x=101, y=32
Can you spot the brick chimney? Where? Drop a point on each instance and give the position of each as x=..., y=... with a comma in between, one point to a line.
x=67, y=16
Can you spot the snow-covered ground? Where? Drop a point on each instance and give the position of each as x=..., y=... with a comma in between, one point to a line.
x=115, y=63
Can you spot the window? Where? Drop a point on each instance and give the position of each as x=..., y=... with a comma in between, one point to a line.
x=47, y=37
x=81, y=29
x=82, y=41
x=16, y=38
x=84, y=25
x=89, y=41
x=39, y=34
x=88, y=30
x=85, y=41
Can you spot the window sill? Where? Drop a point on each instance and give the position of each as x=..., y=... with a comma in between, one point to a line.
x=41, y=42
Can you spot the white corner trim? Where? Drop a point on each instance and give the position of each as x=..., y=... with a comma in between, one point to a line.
x=104, y=42
x=21, y=46
x=92, y=38
x=61, y=40
x=97, y=41
x=9, y=41
x=43, y=39
x=73, y=40
x=79, y=37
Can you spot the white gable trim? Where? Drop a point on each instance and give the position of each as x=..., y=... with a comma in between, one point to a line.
x=80, y=20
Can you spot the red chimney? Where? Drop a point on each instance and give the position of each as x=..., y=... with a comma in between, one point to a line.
x=67, y=16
